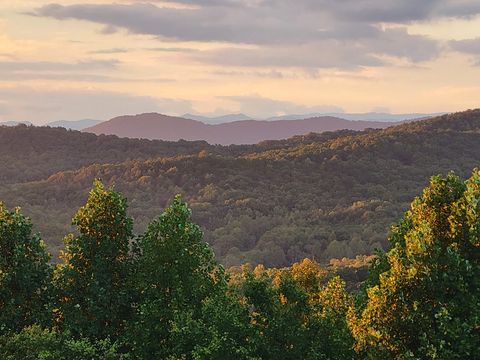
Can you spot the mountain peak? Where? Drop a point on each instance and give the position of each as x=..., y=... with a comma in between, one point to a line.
x=165, y=127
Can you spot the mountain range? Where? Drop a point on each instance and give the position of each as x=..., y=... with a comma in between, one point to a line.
x=218, y=119
x=323, y=196
x=15, y=123
x=371, y=116
x=163, y=127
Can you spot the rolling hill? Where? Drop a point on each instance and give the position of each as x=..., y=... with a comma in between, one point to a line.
x=163, y=127
x=319, y=195
x=29, y=153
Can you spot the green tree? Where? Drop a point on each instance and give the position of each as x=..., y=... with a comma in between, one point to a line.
x=93, y=298
x=34, y=343
x=184, y=310
x=278, y=316
x=24, y=273
x=294, y=316
x=424, y=298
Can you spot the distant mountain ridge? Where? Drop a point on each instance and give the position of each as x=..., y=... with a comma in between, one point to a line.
x=74, y=124
x=15, y=123
x=370, y=116
x=67, y=124
x=162, y=127
x=217, y=119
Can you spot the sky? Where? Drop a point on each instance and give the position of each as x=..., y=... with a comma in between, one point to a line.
x=77, y=59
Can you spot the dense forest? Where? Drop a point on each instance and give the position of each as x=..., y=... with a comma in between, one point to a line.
x=322, y=196
x=29, y=153
x=162, y=295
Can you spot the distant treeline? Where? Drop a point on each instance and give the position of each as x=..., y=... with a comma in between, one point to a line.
x=162, y=294
x=321, y=196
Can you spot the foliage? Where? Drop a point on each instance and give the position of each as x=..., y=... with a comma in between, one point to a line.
x=275, y=203
x=24, y=273
x=34, y=343
x=29, y=153
x=296, y=313
x=425, y=298
x=183, y=308
x=91, y=281
x=163, y=295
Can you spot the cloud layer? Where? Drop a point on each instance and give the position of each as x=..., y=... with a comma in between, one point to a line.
x=132, y=56
x=262, y=107
x=282, y=33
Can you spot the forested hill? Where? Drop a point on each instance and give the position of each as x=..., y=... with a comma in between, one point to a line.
x=322, y=195
x=400, y=139
x=34, y=153
x=29, y=153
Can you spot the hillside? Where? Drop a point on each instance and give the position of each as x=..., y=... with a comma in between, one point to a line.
x=323, y=195
x=158, y=126
x=30, y=153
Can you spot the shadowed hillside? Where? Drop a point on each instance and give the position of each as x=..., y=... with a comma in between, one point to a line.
x=34, y=153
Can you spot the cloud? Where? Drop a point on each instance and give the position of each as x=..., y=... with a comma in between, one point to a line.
x=458, y=8
x=467, y=46
x=171, y=49
x=108, y=30
x=304, y=33
x=110, y=51
x=325, y=55
x=82, y=71
x=26, y=104
x=262, y=107
x=329, y=53
x=58, y=66
x=77, y=77
x=261, y=21
x=271, y=74
x=268, y=23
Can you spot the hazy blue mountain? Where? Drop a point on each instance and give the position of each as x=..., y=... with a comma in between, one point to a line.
x=74, y=124
x=14, y=123
x=218, y=119
x=371, y=116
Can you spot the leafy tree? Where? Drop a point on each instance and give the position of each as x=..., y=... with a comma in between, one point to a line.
x=278, y=316
x=309, y=275
x=183, y=310
x=333, y=338
x=91, y=282
x=24, y=273
x=34, y=343
x=294, y=316
x=424, y=302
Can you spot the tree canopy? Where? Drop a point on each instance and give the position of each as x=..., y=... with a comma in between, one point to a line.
x=164, y=295
x=24, y=273
x=91, y=281
x=424, y=302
